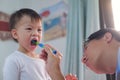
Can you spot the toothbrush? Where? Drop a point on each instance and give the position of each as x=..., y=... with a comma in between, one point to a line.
x=41, y=45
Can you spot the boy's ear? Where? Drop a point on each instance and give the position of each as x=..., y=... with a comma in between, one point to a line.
x=108, y=37
x=14, y=33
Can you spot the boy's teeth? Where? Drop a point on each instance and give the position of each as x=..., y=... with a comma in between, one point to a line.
x=33, y=42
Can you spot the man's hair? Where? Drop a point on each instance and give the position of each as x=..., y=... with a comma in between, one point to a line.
x=16, y=17
x=100, y=33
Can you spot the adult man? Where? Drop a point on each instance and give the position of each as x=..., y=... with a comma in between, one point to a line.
x=102, y=52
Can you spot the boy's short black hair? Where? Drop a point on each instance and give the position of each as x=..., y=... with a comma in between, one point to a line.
x=16, y=16
x=100, y=33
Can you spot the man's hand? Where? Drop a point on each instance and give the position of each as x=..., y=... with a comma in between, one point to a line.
x=53, y=62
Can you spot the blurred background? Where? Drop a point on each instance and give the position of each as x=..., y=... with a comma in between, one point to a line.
x=67, y=24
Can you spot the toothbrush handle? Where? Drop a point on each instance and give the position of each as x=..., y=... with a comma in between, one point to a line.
x=54, y=51
x=42, y=46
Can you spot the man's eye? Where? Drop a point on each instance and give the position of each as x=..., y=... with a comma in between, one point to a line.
x=85, y=47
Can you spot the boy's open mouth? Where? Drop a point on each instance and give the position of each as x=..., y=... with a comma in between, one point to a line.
x=33, y=42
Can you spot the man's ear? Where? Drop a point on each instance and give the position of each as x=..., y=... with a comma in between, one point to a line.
x=108, y=37
x=14, y=33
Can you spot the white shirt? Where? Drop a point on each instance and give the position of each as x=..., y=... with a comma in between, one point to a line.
x=19, y=66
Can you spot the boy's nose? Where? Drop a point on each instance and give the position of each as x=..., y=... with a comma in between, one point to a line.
x=35, y=33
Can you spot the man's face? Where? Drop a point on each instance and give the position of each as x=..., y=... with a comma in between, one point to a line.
x=101, y=55
x=92, y=55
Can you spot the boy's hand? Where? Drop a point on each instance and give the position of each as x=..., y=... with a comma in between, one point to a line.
x=43, y=55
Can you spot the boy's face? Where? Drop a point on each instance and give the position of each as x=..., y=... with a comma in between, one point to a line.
x=27, y=30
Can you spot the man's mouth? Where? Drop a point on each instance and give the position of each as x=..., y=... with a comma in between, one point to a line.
x=84, y=59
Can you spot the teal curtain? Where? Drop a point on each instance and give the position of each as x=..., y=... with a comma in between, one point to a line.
x=92, y=21
x=83, y=19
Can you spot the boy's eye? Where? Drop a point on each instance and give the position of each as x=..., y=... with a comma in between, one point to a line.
x=39, y=30
x=28, y=28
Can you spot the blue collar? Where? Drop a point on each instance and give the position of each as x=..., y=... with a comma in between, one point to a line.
x=118, y=61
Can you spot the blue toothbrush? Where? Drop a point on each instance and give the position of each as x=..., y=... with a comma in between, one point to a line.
x=41, y=45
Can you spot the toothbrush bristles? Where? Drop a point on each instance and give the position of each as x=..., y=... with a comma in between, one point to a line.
x=36, y=43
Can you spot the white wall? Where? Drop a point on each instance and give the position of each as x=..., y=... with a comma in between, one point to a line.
x=9, y=6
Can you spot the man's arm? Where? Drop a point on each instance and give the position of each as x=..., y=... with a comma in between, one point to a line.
x=53, y=63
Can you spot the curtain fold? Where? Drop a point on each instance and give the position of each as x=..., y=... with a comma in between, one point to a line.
x=106, y=21
x=92, y=16
x=83, y=19
x=74, y=42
